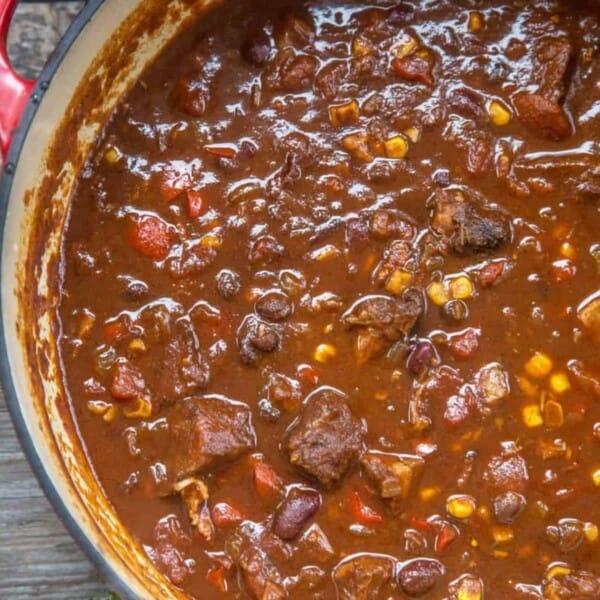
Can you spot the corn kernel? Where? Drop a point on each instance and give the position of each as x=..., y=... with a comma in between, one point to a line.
x=428, y=493
x=539, y=365
x=437, y=293
x=590, y=530
x=469, y=588
x=532, y=415
x=137, y=345
x=556, y=571
x=396, y=147
x=461, y=288
x=361, y=46
x=98, y=407
x=559, y=383
x=503, y=535
x=413, y=134
x=474, y=543
x=210, y=240
x=325, y=252
x=110, y=414
x=568, y=251
x=344, y=114
x=499, y=114
x=112, y=155
x=324, y=353
x=596, y=477
x=141, y=409
x=398, y=282
x=407, y=46
x=328, y=328
x=553, y=414
x=460, y=507
x=475, y=21
x=497, y=553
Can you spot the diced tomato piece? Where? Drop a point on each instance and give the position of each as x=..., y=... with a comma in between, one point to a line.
x=361, y=513
x=445, y=537
x=196, y=204
x=173, y=184
x=420, y=524
x=308, y=374
x=114, y=331
x=266, y=482
x=150, y=236
x=216, y=577
x=224, y=514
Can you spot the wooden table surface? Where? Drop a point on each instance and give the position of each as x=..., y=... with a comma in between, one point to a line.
x=38, y=558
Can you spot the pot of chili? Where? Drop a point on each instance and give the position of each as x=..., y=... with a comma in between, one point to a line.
x=302, y=299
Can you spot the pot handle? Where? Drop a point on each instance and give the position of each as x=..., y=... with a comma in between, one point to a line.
x=14, y=89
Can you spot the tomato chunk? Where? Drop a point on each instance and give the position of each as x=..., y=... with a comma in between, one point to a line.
x=361, y=513
x=266, y=481
x=223, y=514
x=149, y=235
x=196, y=204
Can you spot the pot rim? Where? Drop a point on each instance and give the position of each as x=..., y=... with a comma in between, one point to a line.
x=105, y=567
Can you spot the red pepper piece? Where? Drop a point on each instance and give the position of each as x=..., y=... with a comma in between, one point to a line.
x=149, y=235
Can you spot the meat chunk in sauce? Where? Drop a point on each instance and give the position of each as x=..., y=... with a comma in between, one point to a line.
x=326, y=439
x=465, y=224
x=507, y=474
x=572, y=585
x=381, y=320
x=205, y=431
x=394, y=475
x=363, y=577
x=254, y=551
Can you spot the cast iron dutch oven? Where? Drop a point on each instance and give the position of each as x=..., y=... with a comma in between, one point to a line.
x=47, y=128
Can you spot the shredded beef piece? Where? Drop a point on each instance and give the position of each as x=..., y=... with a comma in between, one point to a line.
x=542, y=115
x=205, y=431
x=255, y=550
x=363, y=577
x=465, y=224
x=326, y=439
x=507, y=473
x=381, y=320
x=575, y=585
x=394, y=475
x=256, y=337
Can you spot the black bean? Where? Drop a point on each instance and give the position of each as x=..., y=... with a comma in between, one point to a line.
x=135, y=290
x=421, y=357
x=294, y=512
x=508, y=506
x=228, y=284
x=456, y=310
x=419, y=576
x=256, y=48
x=274, y=306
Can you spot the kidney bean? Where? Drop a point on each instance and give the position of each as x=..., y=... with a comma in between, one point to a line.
x=294, y=512
x=419, y=576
